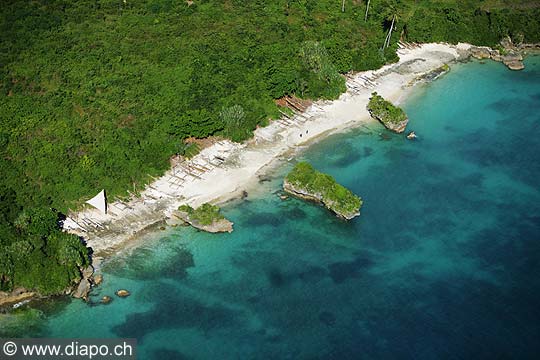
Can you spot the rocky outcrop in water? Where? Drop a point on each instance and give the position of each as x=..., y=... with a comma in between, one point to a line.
x=304, y=182
x=508, y=53
x=305, y=194
x=218, y=226
x=392, y=117
x=122, y=293
x=206, y=218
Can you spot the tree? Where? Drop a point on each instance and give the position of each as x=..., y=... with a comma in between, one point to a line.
x=367, y=9
x=233, y=121
x=389, y=35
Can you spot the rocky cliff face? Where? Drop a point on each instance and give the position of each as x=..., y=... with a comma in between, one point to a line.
x=85, y=285
x=397, y=127
x=318, y=198
x=222, y=225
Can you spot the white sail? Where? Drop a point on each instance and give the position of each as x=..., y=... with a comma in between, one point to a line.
x=99, y=202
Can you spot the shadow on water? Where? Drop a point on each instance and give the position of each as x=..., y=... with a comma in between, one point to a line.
x=148, y=264
x=344, y=270
x=174, y=309
x=29, y=319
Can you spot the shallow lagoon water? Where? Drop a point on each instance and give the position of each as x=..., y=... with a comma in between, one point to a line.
x=442, y=263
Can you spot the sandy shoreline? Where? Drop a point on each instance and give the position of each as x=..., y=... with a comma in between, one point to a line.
x=223, y=170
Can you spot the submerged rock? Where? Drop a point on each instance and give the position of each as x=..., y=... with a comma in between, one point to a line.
x=106, y=300
x=98, y=279
x=122, y=293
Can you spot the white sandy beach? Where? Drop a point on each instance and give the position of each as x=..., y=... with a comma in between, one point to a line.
x=223, y=170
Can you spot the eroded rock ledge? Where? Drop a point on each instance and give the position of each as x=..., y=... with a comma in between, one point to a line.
x=206, y=218
x=16, y=296
x=306, y=183
x=509, y=54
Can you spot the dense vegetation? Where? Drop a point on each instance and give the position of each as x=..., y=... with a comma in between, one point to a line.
x=206, y=214
x=335, y=196
x=35, y=253
x=100, y=93
x=384, y=110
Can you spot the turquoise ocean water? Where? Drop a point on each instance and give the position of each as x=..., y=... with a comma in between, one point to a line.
x=444, y=262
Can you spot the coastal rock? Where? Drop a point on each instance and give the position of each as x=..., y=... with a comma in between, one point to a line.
x=507, y=43
x=217, y=226
x=463, y=54
x=16, y=296
x=515, y=65
x=514, y=61
x=480, y=52
x=98, y=279
x=412, y=135
x=316, y=197
x=82, y=290
x=512, y=56
x=87, y=272
x=174, y=220
x=495, y=55
x=122, y=293
x=396, y=127
x=529, y=46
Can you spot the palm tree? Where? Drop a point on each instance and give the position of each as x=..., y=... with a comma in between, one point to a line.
x=367, y=9
x=389, y=35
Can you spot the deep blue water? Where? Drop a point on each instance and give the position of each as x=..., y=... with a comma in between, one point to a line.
x=443, y=263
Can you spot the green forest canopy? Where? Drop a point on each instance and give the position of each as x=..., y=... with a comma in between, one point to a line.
x=100, y=93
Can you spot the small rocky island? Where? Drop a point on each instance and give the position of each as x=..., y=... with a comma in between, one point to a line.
x=206, y=217
x=392, y=117
x=307, y=183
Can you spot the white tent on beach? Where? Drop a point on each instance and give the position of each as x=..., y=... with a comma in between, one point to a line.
x=99, y=201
